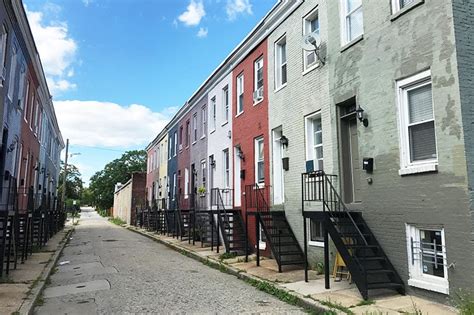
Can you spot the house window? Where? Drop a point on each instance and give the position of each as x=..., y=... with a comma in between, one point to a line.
x=314, y=141
x=226, y=168
x=36, y=117
x=13, y=64
x=195, y=128
x=352, y=20
x=397, y=5
x=27, y=99
x=240, y=94
x=427, y=258
x=186, y=183
x=258, y=80
x=310, y=25
x=170, y=149
x=316, y=236
x=181, y=138
x=259, y=161
x=280, y=62
x=21, y=89
x=204, y=121
x=3, y=53
x=213, y=113
x=225, y=102
x=203, y=172
x=188, y=133
x=175, y=143
x=174, y=186
x=417, y=124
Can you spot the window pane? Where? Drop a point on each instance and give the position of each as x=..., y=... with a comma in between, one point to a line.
x=314, y=25
x=260, y=150
x=404, y=3
x=318, y=138
x=261, y=175
x=310, y=58
x=319, y=152
x=422, y=141
x=283, y=74
x=352, y=4
x=420, y=104
x=283, y=52
x=316, y=231
x=432, y=253
x=355, y=22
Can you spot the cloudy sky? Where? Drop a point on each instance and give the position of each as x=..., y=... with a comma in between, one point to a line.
x=119, y=69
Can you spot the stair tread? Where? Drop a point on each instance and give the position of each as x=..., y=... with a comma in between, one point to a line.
x=295, y=262
x=376, y=271
x=383, y=285
x=296, y=252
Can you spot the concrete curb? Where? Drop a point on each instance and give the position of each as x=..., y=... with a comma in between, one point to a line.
x=304, y=302
x=28, y=304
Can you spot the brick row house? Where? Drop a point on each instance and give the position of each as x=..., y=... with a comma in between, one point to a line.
x=339, y=127
x=31, y=139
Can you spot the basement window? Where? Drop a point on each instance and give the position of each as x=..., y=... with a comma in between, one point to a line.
x=316, y=236
x=427, y=262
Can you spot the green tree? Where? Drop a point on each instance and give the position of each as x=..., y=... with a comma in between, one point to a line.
x=73, y=182
x=87, y=198
x=102, y=183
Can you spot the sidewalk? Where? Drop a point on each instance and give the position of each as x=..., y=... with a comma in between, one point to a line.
x=20, y=289
x=342, y=298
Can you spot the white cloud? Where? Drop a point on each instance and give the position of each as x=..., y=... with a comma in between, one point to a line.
x=202, y=32
x=236, y=7
x=87, y=2
x=193, y=14
x=94, y=123
x=56, y=48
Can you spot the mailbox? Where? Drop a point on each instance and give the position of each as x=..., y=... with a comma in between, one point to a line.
x=368, y=165
x=286, y=163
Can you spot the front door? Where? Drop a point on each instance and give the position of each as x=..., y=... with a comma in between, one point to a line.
x=278, y=195
x=237, y=178
x=351, y=165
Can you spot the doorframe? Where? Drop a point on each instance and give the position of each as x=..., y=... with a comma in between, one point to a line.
x=277, y=149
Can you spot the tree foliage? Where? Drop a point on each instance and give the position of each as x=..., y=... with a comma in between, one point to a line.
x=102, y=183
x=73, y=182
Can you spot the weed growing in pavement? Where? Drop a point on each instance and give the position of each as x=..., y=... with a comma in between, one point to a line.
x=273, y=290
x=39, y=301
x=227, y=256
x=117, y=221
x=464, y=301
x=337, y=306
x=15, y=313
x=365, y=302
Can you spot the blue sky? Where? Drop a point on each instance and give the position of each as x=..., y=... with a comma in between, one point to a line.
x=119, y=69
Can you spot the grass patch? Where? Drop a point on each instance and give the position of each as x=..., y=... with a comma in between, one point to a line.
x=39, y=301
x=464, y=301
x=227, y=256
x=16, y=313
x=337, y=306
x=102, y=213
x=117, y=221
x=365, y=302
x=273, y=290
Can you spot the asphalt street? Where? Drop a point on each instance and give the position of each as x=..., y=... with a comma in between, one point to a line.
x=106, y=269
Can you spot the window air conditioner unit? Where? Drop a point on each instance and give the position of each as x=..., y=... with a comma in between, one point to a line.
x=258, y=94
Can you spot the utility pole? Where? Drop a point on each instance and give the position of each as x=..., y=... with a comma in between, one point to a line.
x=63, y=197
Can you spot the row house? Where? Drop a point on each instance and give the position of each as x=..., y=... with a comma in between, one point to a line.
x=341, y=127
x=31, y=139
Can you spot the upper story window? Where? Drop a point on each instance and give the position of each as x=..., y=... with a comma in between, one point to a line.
x=175, y=143
x=27, y=100
x=195, y=128
x=188, y=133
x=226, y=168
x=310, y=25
x=280, y=62
x=170, y=149
x=13, y=66
x=314, y=141
x=180, y=137
x=417, y=124
x=37, y=117
x=259, y=161
x=240, y=93
x=225, y=103
x=397, y=5
x=258, y=80
x=352, y=20
x=203, y=172
x=204, y=120
x=3, y=53
x=213, y=113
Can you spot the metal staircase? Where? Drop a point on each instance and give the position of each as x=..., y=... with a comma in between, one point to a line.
x=278, y=233
x=368, y=264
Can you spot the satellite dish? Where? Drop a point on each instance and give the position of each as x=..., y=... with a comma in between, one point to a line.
x=311, y=42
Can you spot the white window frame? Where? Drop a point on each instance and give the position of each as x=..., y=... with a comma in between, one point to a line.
x=225, y=103
x=204, y=121
x=257, y=159
x=213, y=113
x=403, y=86
x=175, y=143
x=3, y=52
x=240, y=92
x=13, y=66
x=415, y=273
x=186, y=183
x=345, y=26
x=258, y=64
x=310, y=146
x=396, y=5
x=204, y=172
x=226, y=168
x=195, y=131
x=174, y=186
x=307, y=19
x=279, y=63
x=311, y=242
x=27, y=100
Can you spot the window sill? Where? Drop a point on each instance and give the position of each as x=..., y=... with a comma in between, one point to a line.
x=440, y=286
x=224, y=123
x=352, y=43
x=194, y=142
x=311, y=68
x=401, y=12
x=239, y=114
x=258, y=102
x=316, y=243
x=281, y=87
x=203, y=137
x=417, y=169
